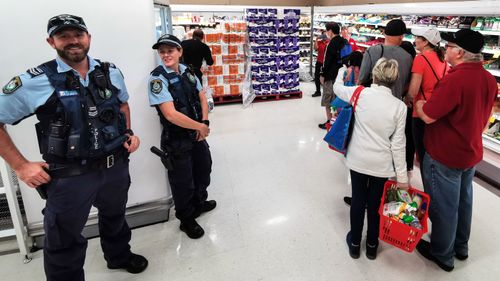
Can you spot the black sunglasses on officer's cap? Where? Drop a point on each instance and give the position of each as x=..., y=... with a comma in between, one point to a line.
x=59, y=22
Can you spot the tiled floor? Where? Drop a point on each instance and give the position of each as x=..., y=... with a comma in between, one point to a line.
x=280, y=214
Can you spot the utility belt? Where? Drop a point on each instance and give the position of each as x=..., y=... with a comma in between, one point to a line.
x=64, y=170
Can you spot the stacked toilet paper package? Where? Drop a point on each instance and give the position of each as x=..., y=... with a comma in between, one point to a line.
x=274, y=50
x=226, y=75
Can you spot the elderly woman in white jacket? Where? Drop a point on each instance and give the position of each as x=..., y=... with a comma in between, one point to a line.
x=376, y=150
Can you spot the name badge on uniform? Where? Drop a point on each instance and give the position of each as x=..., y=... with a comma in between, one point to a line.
x=63, y=94
x=174, y=80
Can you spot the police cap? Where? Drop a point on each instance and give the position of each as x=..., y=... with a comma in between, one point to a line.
x=59, y=22
x=168, y=39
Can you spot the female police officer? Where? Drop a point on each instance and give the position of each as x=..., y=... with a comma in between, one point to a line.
x=182, y=106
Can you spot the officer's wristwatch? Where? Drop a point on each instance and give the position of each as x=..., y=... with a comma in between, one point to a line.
x=129, y=132
x=206, y=122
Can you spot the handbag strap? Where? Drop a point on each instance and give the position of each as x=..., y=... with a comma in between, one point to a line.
x=434, y=72
x=355, y=97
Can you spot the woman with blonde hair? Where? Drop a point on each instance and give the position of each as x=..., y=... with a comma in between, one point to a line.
x=376, y=150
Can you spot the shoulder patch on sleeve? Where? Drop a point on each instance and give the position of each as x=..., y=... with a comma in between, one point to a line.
x=14, y=84
x=35, y=71
x=156, y=86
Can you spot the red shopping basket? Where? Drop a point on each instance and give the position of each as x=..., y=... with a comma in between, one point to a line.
x=397, y=233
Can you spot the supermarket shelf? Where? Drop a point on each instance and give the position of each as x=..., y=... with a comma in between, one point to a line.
x=363, y=45
x=305, y=36
x=444, y=29
x=195, y=23
x=369, y=34
x=491, y=144
x=494, y=72
x=304, y=28
x=304, y=43
x=489, y=51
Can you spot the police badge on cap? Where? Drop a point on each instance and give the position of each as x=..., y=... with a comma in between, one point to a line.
x=59, y=22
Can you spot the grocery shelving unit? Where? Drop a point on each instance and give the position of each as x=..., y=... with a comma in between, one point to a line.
x=489, y=168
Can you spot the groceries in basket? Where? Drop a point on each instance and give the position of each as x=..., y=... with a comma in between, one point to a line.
x=400, y=205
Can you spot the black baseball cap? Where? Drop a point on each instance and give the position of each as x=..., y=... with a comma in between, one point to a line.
x=59, y=22
x=395, y=27
x=466, y=39
x=167, y=39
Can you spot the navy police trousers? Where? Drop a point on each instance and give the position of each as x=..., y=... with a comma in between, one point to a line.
x=190, y=179
x=66, y=212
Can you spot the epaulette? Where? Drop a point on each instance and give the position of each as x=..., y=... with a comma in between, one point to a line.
x=35, y=71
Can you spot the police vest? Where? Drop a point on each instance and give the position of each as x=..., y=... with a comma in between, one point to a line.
x=186, y=101
x=79, y=122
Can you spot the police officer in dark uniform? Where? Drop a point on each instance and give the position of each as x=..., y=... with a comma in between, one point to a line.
x=85, y=139
x=177, y=95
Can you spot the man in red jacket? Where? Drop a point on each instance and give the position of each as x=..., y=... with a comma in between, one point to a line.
x=320, y=46
x=456, y=115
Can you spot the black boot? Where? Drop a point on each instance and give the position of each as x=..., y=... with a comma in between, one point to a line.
x=353, y=249
x=135, y=264
x=371, y=251
x=316, y=94
x=192, y=228
x=207, y=206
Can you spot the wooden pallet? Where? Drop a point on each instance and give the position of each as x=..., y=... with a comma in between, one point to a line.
x=289, y=96
x=261, y=98
x=228, y=99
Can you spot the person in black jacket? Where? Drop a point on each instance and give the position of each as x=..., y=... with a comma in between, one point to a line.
x=195, y=51
x=331, y=66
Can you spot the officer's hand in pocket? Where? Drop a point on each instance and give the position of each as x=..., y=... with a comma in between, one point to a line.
x=33, y=173
x=132, y=143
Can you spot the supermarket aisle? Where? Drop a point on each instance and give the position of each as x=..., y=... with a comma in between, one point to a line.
x=280, y=214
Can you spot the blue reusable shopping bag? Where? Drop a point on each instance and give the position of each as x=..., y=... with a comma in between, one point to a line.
x=340, y=133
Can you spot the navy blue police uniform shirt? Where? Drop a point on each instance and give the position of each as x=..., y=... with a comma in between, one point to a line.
x=23, y=94
x=158, y=86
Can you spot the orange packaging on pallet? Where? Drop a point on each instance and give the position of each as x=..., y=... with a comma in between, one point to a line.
x=218, y=90
x=212, y=80
x=226, y=38
x=216, y=49
x=233, y=49
x=217, y=69
x=227, y=59
x=234, y=89
x=230, y=79
x=233, y=69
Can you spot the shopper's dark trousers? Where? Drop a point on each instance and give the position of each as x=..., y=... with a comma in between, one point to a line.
x=317, y=70
x=190, y=179
x=410, y=146
x=66, y=212
x=366, y=192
